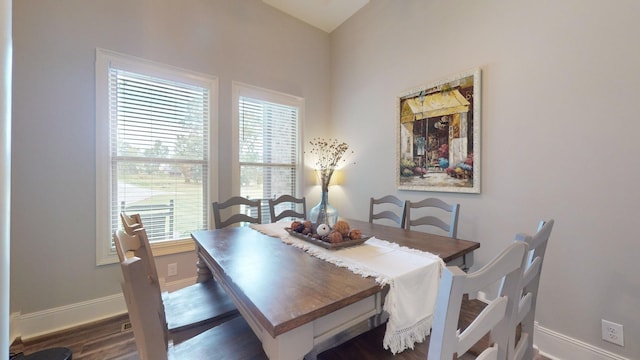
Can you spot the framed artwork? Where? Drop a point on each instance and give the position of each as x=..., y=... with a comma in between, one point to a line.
x=439, y=135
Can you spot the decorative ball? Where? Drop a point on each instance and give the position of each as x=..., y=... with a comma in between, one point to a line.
x=294, y=225
x=342, y=227
x=307, y=224
x=335, y=237
x=323, y=229
x=355, y=234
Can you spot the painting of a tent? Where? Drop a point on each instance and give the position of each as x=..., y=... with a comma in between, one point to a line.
x=439, y=135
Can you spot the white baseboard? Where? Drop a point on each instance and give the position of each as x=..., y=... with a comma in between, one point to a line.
x=551, y=344
x=557, y=346
x=60, y=318
x=14, y=327
x=30, y=325
x=175, y=285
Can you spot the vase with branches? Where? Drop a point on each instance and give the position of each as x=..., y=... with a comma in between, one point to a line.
x=329, y=154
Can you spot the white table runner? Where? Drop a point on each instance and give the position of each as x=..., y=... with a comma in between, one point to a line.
x=413, y=277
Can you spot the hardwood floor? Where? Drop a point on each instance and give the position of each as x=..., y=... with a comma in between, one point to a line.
x=101, y=340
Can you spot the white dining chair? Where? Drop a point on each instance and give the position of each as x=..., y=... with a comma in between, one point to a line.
x=447, y=338
x=388, y=207
x=287, y=206
x=522, y=320
x=526, y=311
x=427, y=215
x=250, y=211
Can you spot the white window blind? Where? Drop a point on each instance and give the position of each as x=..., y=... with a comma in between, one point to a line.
x=268, y=149
x=159, y=153
x=154, y=124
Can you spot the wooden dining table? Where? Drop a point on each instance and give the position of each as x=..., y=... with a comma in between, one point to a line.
x=297, y=304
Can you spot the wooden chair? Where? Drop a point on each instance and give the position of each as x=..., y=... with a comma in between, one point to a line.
x=233, y=339
x=434, y=203
x=384, y=212
x=130, y=222
x=188, y=310
x=446, y=337
x=253, y=206
x=521, y=328
x=138, y=245
x=158, y=218
x=291, y=204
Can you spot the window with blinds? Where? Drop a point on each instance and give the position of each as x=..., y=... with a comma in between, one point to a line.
x=158, y=149
x=268, y=149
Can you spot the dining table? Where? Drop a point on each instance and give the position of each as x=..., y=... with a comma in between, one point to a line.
x=298, y=304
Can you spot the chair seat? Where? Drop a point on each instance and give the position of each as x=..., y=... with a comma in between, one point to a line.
x=232, y=340
x=197, y=305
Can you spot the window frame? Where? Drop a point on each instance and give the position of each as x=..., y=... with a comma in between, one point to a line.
x=105, y=59
x=240, y=89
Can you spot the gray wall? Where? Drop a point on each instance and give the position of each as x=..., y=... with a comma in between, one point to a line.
x=53, y=209
x=559, y=135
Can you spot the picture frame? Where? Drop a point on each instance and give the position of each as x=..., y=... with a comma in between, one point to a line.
x=438, y=135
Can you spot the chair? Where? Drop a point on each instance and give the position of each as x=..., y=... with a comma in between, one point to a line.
x=188, y=310
x=433, y=203
x=158, y=218
x=251, y=213
x=290, y=205
x=130, y=222
x=384, y=212
x=233, y=339
x=521, y=329
x=446, y=337
x=137, y=244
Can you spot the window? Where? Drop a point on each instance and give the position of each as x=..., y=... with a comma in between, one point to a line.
x=268, y=143
x=153, y=156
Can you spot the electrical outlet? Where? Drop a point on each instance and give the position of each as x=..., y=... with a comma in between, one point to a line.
x=612, y=332
x=172, y=269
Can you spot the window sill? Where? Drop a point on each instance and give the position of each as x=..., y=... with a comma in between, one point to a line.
x=169, y=247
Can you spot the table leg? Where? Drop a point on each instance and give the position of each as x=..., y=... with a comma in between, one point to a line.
x=468, y=261
x=292, y=345
x=203, y=271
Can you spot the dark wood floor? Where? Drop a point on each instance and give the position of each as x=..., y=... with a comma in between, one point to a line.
x=101, y=340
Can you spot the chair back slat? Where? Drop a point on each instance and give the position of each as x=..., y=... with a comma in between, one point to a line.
x=388, y=207
x=429, y=204
x=487, y=320
x=130, y=222
x=253, y=215
x=289, y=207
x=158, y=219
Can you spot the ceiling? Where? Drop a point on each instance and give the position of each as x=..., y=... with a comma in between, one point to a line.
x=323, y=14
